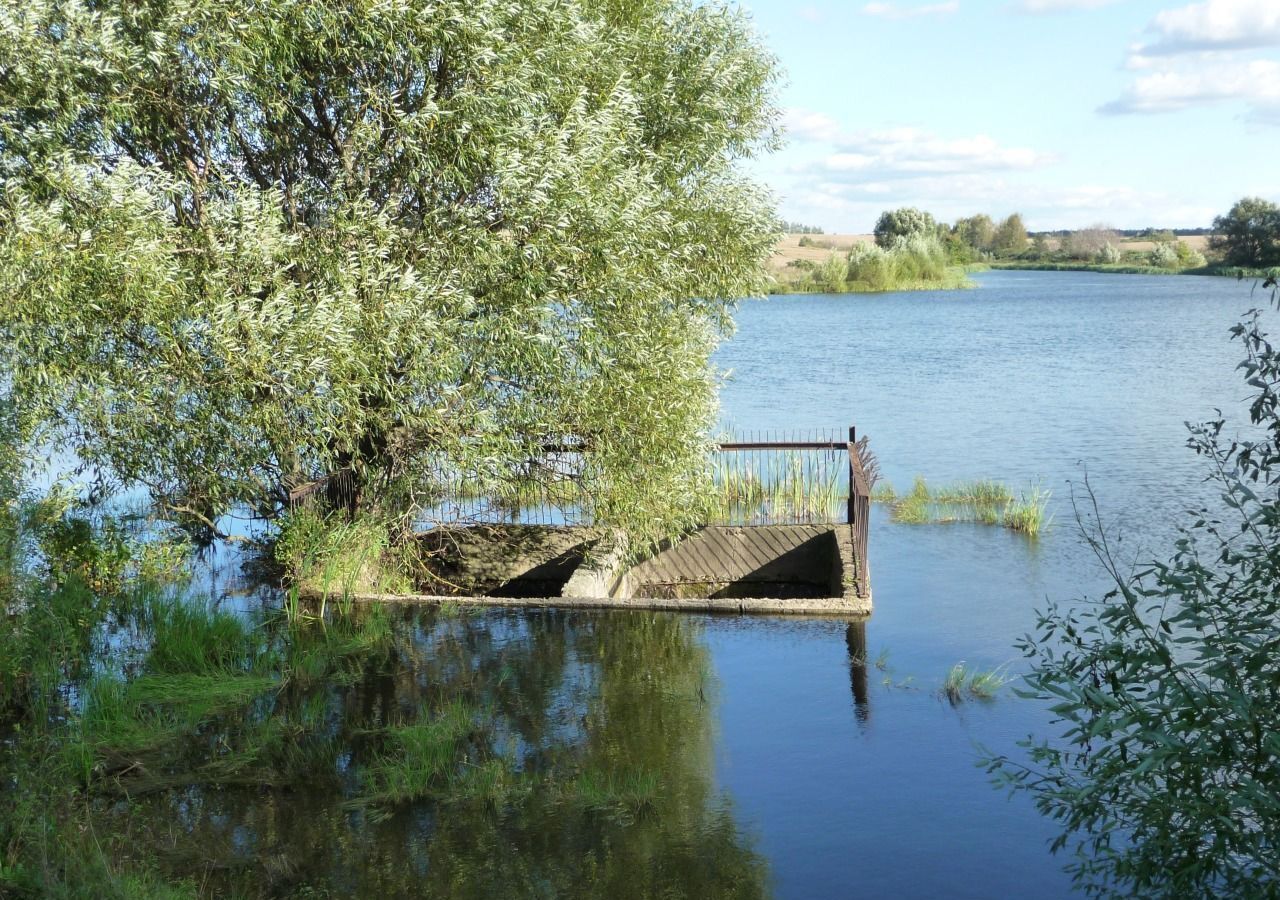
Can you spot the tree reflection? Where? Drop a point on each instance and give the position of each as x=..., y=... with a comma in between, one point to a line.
x=586, y=770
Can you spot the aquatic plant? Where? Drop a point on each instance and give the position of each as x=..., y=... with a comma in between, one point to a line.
x=962, y=683
x=777, y=486
x=984, y=502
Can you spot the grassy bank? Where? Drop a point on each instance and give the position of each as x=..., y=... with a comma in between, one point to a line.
x=914, y=264
x=1110, y=268
x=1130, y=269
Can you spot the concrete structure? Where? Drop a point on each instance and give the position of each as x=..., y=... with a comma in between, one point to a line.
x=790, y=569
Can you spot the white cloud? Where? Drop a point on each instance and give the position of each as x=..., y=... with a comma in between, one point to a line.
x=913, y=152
x=807, y=125
x=1213, y=25
x=1256, y=83
x=811, y=14
x=1040, y=7
x=897, y=11
x=854, y=207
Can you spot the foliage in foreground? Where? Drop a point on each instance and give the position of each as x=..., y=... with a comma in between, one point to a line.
x=243, y=248
x=153, y=745
x=1166, y=778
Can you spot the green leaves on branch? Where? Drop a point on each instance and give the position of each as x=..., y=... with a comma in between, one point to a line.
x=247, y=247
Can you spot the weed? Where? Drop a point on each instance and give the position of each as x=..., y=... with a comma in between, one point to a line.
x=963, y=683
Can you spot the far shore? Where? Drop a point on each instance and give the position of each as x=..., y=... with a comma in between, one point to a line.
x=788, y=253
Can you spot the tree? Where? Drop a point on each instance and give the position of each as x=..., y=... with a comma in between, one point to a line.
x=976, y=231
x=831, y=276
x=247, y=247
x=896, y=224
x=1011, y=236
x=1088, y=243
x=1167, y=776
x=1248, y=235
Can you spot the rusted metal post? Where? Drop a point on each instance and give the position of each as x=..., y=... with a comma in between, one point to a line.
x=852, y=446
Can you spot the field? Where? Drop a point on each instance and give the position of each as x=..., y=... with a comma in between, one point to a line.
x=820, y=247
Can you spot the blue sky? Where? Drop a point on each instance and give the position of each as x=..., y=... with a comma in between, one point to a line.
x=1073, y=112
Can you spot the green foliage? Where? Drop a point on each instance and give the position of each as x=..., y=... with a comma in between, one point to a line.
x=831, y=275
x=242, y=249
x=1011, y=236
x=965, y=683
x=1188, y=258
x=1109, y=254
x=918, y=261
x=1249, y=234
x=328, y=555
x=1166, y=775
x=985, y=502
x=907, y=222
x=977, y=231
x=1164, y=256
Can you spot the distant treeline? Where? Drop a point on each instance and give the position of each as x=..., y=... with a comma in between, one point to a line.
x=800, y=228
x=913, y=250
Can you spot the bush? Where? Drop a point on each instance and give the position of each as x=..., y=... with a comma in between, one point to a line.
x=1164, y=256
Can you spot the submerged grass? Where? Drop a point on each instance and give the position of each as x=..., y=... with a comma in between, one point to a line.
x=985, y=502
x=964, y=683
x=419, y=760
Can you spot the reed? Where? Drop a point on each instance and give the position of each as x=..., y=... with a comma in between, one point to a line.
x=963, y=683
x=777, y=486
x=984, y=502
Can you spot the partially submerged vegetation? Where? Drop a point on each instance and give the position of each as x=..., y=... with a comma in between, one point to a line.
x=983, y=502
x=282, y=730
x=967, y=683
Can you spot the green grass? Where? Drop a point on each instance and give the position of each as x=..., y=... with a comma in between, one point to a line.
x=984, y=502
x=963, y=683
x=629, y=793
x=419, y=760
x=329, y=557
x=1110, y=268
x=776, y=487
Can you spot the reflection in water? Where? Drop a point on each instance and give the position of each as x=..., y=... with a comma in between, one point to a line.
x=583, y=766
x=855, y=637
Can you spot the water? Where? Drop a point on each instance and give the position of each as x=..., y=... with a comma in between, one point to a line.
x=1033, y=377
x=625, y=754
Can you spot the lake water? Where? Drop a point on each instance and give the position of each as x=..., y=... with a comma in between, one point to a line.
x=627, y=754
x=1031, y=378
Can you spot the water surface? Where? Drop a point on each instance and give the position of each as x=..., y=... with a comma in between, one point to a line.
x=626, y=754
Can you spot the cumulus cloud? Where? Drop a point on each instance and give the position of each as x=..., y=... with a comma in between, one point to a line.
x=807, y=125
x=913, y=152
x=1213, y=25
x=854, y=207
x=1257, y=83
x=898, y=11
x=1040, y=7
x=1202, y=54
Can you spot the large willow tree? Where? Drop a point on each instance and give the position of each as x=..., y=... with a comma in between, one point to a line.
x=244, y=246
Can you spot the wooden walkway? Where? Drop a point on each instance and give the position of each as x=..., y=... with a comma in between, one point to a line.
x=728, y=554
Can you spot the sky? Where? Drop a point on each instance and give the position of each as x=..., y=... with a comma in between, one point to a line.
x=1130, y=113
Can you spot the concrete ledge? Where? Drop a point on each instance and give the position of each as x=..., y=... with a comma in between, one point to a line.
x=807, y=570
x=811, y=607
